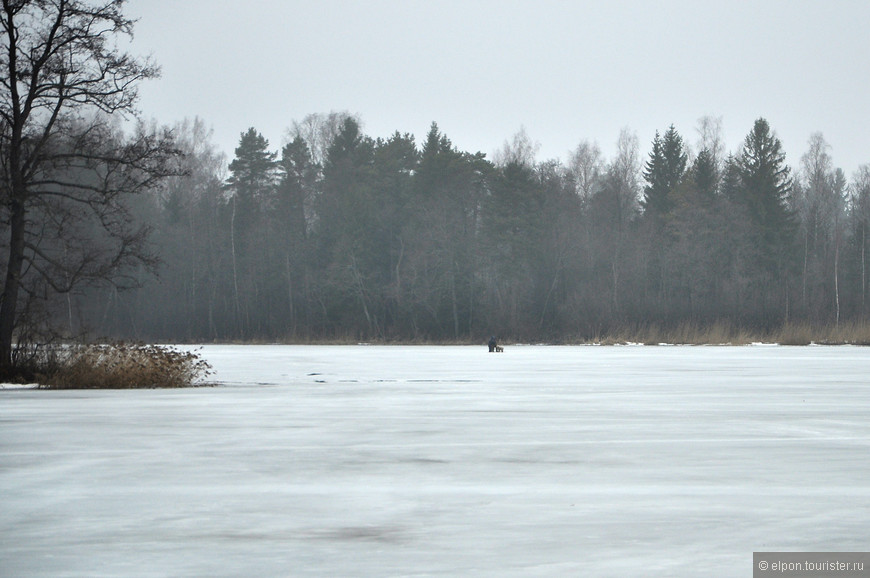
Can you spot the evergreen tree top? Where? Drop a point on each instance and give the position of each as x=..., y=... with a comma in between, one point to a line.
x=254, y=166
x=664, y=171
x=765, y=184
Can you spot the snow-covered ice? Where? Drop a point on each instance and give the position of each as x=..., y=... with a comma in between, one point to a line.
x=444, y=461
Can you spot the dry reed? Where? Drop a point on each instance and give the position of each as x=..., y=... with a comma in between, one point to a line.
x=726, y=333
x=125, y=366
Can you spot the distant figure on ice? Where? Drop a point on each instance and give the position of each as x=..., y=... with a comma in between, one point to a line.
x=493, y=346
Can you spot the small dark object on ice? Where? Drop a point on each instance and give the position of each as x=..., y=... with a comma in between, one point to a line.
x=493, y=345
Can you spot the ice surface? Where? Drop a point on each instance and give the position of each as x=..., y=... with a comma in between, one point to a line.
x=444, y=461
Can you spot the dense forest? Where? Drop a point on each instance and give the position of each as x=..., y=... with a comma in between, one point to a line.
x=115, y=228
x=341, y=236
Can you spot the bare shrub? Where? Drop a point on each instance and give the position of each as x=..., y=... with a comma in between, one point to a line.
x=125, y=366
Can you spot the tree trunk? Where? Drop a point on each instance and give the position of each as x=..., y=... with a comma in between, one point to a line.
x=615, y=279
x=804, y=281
x=237, y=306
x=453, y=303
x=787, y=297
x=290, y=297
x=9, y=298
x=863, y=268
x=837, y=272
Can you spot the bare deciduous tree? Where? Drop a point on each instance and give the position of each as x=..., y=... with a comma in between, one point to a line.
x=318, y=131
x=520, y=150
x=626, y=168
x=65, y=169
x=586, y=165
x=860, y=205
x=710, y=139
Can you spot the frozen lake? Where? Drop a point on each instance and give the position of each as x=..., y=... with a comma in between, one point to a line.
x=444, y=461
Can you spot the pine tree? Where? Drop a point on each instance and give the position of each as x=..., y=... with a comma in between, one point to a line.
x=345, y=234
x=441, y=237
x=294, y=197
x=435, y=160
x=341, y=206
x=253, y=170
x=252, y=185
x=296, y=187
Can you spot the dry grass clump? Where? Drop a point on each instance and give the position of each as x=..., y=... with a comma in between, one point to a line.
x=126, y=366
x=726, y=333
x=799, y=334
x=717, y=333
x=851, y=333
x=686, y=333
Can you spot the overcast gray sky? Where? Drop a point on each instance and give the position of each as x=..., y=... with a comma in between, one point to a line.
x=566, y=71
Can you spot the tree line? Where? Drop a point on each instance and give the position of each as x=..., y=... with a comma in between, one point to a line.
x=340, y=235
x=149, y=234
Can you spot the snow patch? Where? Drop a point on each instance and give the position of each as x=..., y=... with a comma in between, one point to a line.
x=19, y=386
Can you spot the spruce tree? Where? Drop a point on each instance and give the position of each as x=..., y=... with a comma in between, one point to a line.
x=663, y=172
x=705, y=176
x=765, y=184
x=730, y=186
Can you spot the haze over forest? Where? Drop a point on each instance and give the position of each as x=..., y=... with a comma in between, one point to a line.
x=343, y=235
x=154, y=232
